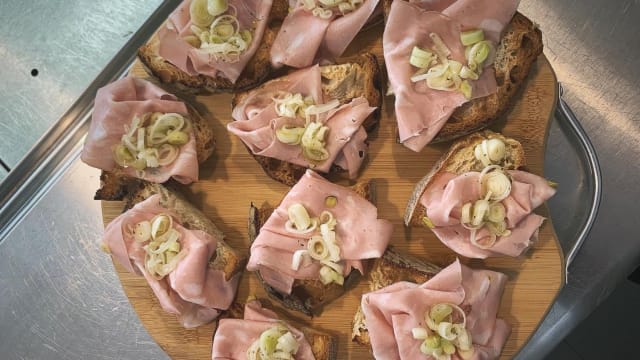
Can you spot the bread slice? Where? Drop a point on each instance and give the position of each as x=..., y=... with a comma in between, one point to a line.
x=323, y=345
x=115, y=184
x=391, y=268
x=307, y=296
x=256, y=70
x=520, y=46
x=225, y=258
x=360, y=76
x=460, y=159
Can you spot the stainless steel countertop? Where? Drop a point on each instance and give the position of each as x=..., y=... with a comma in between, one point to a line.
x=59, y=297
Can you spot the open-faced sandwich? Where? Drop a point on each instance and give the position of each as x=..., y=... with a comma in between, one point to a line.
x=317, y=118
x=140, y=131
x=179, y=251
x=215, y=45
x=316, y=242
x=477, y=200
x=319, y=31
x=450, y=315
x=454, y=65
x=254, y=332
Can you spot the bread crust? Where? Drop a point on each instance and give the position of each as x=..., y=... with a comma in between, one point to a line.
x=307, y=296
x=256, y=70
x=459, y=159
x=391, y=268
x=518, y=50
x=361, y=76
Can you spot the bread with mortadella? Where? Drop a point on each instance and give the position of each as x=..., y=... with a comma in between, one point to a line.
x=454, y=66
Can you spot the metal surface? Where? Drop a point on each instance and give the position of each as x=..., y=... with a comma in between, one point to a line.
x=593, y=174
x=59, y=297
x=50, y=50
x=32, y=176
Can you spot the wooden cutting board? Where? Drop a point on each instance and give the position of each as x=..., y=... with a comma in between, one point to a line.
x=231, y=180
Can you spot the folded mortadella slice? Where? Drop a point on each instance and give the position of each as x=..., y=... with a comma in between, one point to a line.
x=256, y=122
x=251, y=14
x=234, y=336
x=305, y=39
x=446, y=195
x=115, y=106
x=420, y=111
x=359, y=233
x=193, y=291
x=392, y=312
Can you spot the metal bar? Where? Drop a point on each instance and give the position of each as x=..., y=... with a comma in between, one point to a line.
x=26, y=183
x=593, y=166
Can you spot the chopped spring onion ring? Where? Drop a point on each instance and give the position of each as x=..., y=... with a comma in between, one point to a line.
x=289, y=135
x=276, y=343
x=421, y=58
x=320, y=109
x=167, y=154
x=471, y=37
x=328, y=275
x=334, y=266
x=317, y=248
x=467, y=73
x=480, y=51
x=287, y=344
x=439, y=46
x=480, y=209
x=466, y=89
x=199, y=13
x=322, y=13
x=445, y=330
x=496, y=213
x=447, y=347
x=495, y=183
x=498, y=228
x=419, y=333
x=160, y=224
x=326, y=217
x=217, y=7
x=298, y=257
x=299, y=216
x=427, y=222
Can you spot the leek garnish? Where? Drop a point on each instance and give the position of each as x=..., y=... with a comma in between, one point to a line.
x=216, y=30
x=446, y=332
x=162, y=248
x=152, y=140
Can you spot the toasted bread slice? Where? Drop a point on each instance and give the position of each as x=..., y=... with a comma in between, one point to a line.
x=307, y=296
x=226, y=258
x=256, y=70
x=115, y=184
x=460, y=159
x=323, y=345
x=346, y=81
x=391, y=268
x=520, y=46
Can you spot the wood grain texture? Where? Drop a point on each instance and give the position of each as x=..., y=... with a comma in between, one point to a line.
x=231, y=180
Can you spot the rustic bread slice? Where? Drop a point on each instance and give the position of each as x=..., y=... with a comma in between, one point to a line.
x=307, y=296
x=115, y=184
x=460, y=159
x=360, y=76
x=226, y=258
x=256, y=70
x=520, y=46
x=323, y=345
x=391, y=268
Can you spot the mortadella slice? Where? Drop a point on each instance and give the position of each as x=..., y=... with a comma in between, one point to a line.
x=257, y=121
x=359, y=233
x=234, y=336
x=305, y=39
x=193, y=291
x=392, y=312
x=420, y=111
x=251, y=14
x=115, y=106
x=446, y=195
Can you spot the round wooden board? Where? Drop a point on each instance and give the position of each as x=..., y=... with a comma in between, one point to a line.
x=231, y=180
